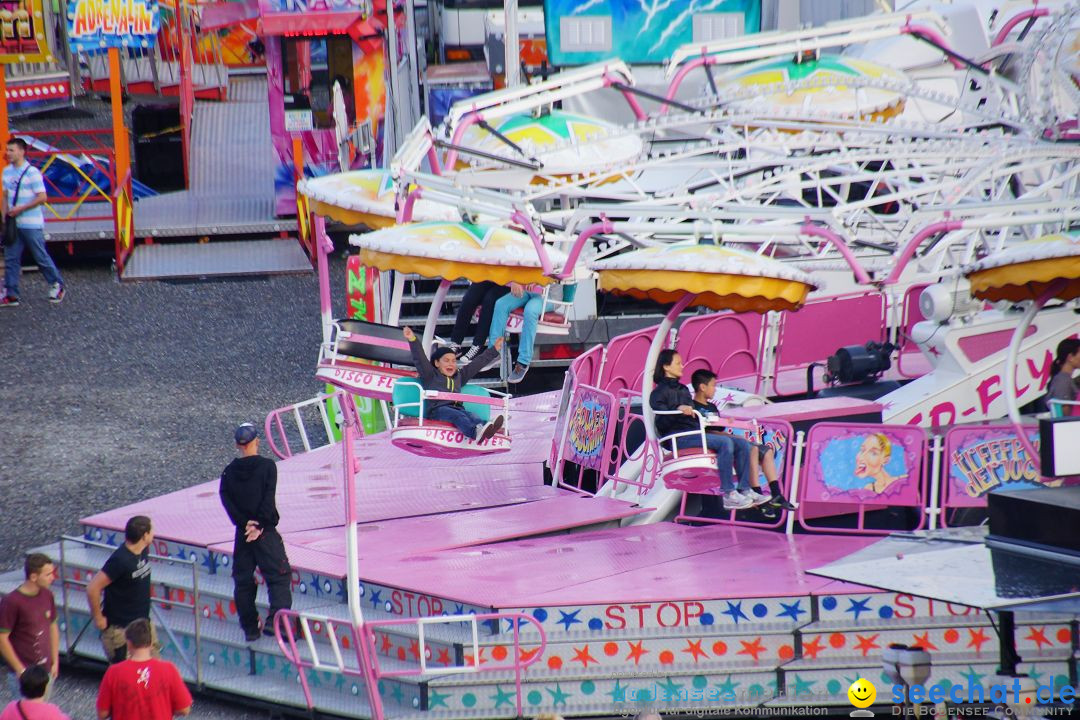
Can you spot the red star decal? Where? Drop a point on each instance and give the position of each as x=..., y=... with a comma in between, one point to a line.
x=866, y=644
x=219, y=610
x=729, y=398
x=386, y=644
x=1038, y=636
x=469, y=658
x=444, y=657
x=636, y=651
x=527, y=655
x=754, y=648
x=923, y=641
x=694, y=648
x=414, y=649
x=811, y=649
x=978, y=637
x=582, y=656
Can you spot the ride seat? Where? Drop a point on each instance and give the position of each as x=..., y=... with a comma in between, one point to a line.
x=406, y=398
x=375, y=350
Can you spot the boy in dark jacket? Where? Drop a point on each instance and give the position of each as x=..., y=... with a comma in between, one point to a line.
x=442, y=375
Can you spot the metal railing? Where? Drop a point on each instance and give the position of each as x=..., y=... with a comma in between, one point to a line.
x=194, y=663
x=368, y=668
x=291, y=417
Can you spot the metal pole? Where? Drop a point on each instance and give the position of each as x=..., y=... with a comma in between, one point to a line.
x=433, y=315
x=390, y=131
x=323, y=247
x=512, y=53
x=1007, y=643
x=198, y=624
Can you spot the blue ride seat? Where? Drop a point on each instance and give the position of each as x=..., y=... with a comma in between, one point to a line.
x=407, y=390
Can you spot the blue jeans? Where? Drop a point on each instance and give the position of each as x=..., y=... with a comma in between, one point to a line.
x=461, y=418
x=726, y=448
x=533, y=303
x=34, y=238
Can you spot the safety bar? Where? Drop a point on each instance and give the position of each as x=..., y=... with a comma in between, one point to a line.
x=1058, y=407
x=501, y=400
x=275, y=426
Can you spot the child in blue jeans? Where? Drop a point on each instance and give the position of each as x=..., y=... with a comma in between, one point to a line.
x=442, y=375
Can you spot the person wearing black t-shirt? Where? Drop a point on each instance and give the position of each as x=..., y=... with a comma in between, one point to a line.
x=247, y=491
x=124, y=580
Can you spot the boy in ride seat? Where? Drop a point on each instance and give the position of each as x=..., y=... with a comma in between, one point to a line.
x=442, y=375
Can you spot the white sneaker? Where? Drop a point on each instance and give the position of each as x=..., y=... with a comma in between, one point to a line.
x=735, y=500
x=470, y=354
x=756, y=497
x=56, y=292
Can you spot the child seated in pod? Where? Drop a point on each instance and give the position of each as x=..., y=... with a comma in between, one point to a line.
x=442, y=375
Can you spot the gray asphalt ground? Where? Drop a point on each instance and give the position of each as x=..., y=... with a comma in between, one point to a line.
x=128, y=391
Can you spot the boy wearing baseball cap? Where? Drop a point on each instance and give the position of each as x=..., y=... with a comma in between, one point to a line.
x=247, y=490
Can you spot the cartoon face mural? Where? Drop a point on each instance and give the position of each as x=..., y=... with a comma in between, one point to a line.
x=853, y=463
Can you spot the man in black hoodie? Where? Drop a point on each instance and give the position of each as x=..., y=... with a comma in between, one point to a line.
x=247, y=492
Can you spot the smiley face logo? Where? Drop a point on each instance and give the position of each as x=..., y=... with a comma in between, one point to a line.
x=862, y=693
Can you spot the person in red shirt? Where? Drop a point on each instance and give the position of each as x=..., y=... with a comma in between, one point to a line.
x=142, y=688
x=29, y=634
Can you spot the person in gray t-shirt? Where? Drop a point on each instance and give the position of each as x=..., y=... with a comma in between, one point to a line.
x=1066, y=362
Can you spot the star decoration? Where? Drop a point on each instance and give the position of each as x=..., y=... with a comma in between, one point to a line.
x=341, y=590
x=527, y=655
x=414, y=648
x=729, y=398
x=934, y=351
x=557, y=695
x=671, y=689
x=754, y=648
x=866, y=644
x=459, y=609
x=469, y=658
x=812, y=648
x=923, y=641
x=443, y=657
x=727, y=688
x=396, y=694
x=636, y=651
x=436, y=698
x=209, y=562
x=314, y=583
x=501, y=697
x=1038, y=636
x=111, y=539
x=618, y=694
x=386, y=644
x=735, y=611
x=694, y=648
x=376, y=598
x=978, y=638
x=973, y=678
x=793, y=611
x=1034, y=675
x=568, y=619
x=803, y=687
x=582, y=656
x=857, y=607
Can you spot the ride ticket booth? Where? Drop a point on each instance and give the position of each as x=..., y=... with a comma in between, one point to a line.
x=310, y=46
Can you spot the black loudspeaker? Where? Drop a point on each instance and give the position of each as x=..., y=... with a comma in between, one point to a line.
x=159, y=147
x=1040, y=518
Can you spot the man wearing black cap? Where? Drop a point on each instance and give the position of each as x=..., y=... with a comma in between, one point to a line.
x=247, y=492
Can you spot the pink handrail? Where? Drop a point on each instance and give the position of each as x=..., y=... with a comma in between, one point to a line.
x=1030, y=13
x=685, y=70
x=809, y=228
x=405, y=215
x=933, y=36
x=604, y=226
x=538, y=242
x=913, y=245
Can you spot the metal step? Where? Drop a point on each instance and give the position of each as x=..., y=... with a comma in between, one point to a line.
x=217, y=259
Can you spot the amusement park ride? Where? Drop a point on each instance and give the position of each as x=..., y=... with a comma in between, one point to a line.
x=868, y=231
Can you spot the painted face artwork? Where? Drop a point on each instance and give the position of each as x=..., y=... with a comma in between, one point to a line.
x=871, y=458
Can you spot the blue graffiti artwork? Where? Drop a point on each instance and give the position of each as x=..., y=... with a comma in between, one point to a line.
x=640, y=31
x=873, y=462
x=588, y=428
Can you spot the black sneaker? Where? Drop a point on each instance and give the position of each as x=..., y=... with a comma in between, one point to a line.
x=8, y=301
x=780, y=502
x=251, y=636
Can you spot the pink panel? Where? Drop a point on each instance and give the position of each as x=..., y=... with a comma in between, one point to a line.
x=586, y=366
x=910, y=363
x=625, y=362
x=977, y=347
x=728, y=344
x=821, y=327
x=862, y=465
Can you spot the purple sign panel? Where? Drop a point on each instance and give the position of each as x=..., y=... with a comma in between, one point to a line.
x=986, y=457
x=590, y=425
x=857, y=463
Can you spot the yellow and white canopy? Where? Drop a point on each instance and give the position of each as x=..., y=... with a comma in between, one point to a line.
x=365, y=197
x=723, y=278
x=1025, y=271
x=454, y=250
x=566, y=143
x=821, y=89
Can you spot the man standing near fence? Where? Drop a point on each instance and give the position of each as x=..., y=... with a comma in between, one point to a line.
x=247, y=490
x=29, y=634
x=24, y=194
x=124, y=580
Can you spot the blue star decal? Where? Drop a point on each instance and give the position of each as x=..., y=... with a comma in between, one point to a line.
x=341, y=591
x=180, y=553
x=803, y=687
x=210, y=562
x=618, y=695
x=569, y=619
x=436, y=698
x=727, y=689
x=397, y=694
x=376, y=598
x=793, y=611
x=973, y=678
x=286, y=670
x=501, y=697
x=1036, y=676
x=459, y=609
x=111, y=539
x=314, y=584
x=858, y=606
x=735, y=611
x=557, y=695
x=671, y=690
